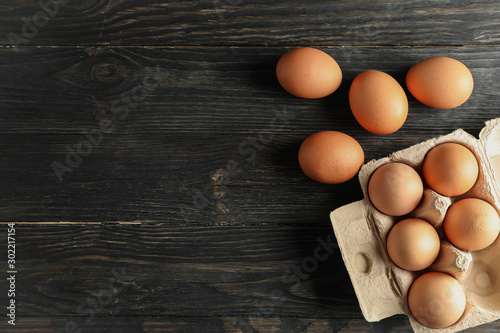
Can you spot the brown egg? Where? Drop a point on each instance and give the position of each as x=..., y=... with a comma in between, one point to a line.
x=436, y=300
x=378, y=102
x=331, y=157
x=471, y=224
x=413, y=244
x=440, y=82
x=395, y=189
x=308, y=73
x=450, y=169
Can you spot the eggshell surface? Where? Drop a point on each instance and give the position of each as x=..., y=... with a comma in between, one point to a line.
x=331, y=157
x=472, y=224
x=440, y=82
x=436, y=300
x=395, y=189
x=308, y=73
x=450, y=169
x=378, y=102
x=413, y=244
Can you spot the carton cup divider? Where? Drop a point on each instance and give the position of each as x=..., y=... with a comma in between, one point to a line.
x=378, y=294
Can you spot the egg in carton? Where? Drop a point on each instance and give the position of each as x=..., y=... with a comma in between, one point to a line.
x=361, y=231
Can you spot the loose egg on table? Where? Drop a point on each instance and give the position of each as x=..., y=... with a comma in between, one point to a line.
x=309, y=73
x=440, y=82
x=378, y=102
x=331, y=157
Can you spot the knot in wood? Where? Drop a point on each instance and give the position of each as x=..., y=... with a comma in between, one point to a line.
x=110, y=71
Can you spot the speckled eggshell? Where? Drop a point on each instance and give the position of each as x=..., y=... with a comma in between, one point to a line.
x=309, y=73
x=440, y=82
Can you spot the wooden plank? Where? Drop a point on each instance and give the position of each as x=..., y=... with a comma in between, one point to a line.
x=213, y=324
x=155, y=278
x=162, y=179
x=157, y=270
x=242, y=22
x=197, y=91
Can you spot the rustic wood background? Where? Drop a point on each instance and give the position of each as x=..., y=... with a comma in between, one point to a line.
x=189, y=212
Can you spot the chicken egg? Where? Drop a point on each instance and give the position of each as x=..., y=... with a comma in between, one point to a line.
x=308, y=73
x=450, y=169
x=413, y=244
x=440, y=82
x=471, y=224
x=331, y=157
x=395, y=189
x=378, y=102
x=436, y=300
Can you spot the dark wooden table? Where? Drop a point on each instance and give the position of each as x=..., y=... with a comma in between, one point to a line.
x=149, y=156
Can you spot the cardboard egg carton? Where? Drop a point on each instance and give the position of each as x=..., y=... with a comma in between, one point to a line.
x=361, y=232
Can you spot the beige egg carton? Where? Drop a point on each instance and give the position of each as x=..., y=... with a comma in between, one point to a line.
x=361, y=232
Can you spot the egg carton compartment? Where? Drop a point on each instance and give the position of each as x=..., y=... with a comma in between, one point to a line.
x=361, y=231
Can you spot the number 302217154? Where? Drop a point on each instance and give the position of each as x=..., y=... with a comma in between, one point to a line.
x=11, y=246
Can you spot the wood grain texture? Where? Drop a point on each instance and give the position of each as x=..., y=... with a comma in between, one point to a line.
x=182, y=181
x=214, y=324
x=219, y=91
x=153, y=278
x=211, y=325
x=250, y=23
x=140, y=270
